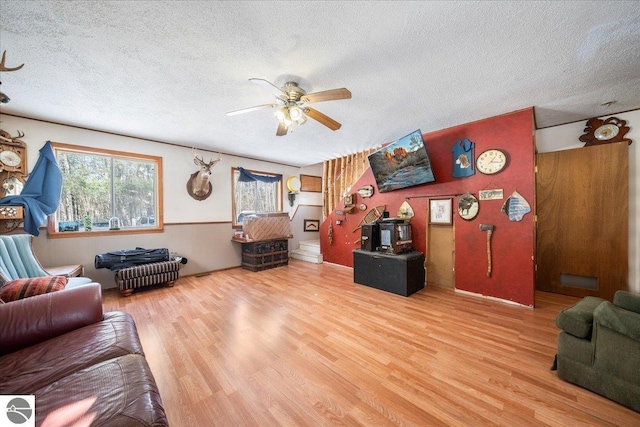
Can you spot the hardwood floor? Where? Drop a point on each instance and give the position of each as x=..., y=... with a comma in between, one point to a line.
x=304, y=345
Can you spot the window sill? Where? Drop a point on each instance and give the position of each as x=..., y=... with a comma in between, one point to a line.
x=96, y=233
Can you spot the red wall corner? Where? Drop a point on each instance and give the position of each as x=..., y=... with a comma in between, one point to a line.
x=512, y=243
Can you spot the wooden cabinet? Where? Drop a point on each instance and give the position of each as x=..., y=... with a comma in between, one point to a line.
x=400, y=274
x=265, y=254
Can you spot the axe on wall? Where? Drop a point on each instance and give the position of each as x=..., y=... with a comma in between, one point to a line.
x=489, y=229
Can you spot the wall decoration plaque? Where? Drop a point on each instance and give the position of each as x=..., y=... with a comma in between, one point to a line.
x=462, y=159
x=516, y=207
x=495, y=194
x=468, y=206
x=598, y=131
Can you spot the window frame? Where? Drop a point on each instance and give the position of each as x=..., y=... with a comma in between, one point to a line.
x=52, y=229
x=234, y=224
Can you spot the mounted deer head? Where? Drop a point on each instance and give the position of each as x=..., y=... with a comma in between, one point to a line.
x=199, y=187
x=4, y=98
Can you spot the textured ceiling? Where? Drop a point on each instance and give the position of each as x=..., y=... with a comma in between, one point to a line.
x=169, y=71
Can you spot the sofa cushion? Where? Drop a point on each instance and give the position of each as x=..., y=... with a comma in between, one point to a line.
x=49, y=361
x=627, y=300
x=117, y=392
x=577, y=320
x=622, y=321
x=23, y=288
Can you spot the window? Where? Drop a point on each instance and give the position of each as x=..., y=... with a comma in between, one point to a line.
x=107, y=191
x=254, y=192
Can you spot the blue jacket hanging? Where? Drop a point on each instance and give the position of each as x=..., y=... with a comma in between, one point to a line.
x=41, y=193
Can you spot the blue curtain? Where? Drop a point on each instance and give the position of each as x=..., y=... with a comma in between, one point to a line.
x=41, y=193
x=246, y=176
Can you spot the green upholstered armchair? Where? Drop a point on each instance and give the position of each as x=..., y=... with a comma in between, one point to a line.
x=599, y=347
x=17, y=261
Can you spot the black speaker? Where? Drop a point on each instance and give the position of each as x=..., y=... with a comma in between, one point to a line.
x=370, y=237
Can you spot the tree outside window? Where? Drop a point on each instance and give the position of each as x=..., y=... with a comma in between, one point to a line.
x=106, y=190
x=254, y=192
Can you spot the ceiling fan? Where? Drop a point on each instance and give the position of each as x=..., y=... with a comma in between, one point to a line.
x=291, y=102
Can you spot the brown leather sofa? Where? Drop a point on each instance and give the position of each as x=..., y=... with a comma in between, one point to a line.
x=79, y=362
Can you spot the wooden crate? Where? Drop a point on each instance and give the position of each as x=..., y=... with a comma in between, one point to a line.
x=275, y=225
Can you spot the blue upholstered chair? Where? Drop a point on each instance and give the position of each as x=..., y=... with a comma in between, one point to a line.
x=17, y=261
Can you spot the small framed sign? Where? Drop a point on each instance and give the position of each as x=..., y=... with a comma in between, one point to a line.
x=495, y=194
x=440, y=211
x=311, y=225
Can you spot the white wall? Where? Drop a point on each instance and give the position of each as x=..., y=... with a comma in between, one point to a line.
x=199, y=230
x=177, y=163
x=308, y=198
x=566, y=137
x=307, y=206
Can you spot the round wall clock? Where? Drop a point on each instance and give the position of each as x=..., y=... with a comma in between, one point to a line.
x=491, y=161
x=606, y=132
x=598, y=131
x=10, y=158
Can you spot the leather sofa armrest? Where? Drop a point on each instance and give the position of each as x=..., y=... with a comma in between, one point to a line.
x=35, y=319
x=618, y=319
x=627, y=300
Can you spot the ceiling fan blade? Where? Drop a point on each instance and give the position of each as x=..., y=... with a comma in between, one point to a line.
x=282, y=129
x=327, y=95
x=270, y=87
x=250, y=109
x=321, y=118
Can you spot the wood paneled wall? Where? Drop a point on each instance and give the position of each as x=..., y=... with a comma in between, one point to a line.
x=339, y=175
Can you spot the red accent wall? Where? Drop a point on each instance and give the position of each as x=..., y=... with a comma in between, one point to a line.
x=512, y=244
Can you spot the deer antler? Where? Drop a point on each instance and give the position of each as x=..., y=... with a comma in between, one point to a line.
x=4, y=68
x=6, y=136
x=20, y=135
x=213, y=162
x=197, y=160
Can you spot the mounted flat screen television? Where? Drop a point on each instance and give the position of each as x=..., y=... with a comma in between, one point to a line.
x=401, y=164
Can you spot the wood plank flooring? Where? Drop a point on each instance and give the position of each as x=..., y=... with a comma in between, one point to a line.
x=303, y=345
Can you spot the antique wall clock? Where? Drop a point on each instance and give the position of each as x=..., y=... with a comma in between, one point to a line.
x=598, y=131
x=13, y=163
x=10, y=159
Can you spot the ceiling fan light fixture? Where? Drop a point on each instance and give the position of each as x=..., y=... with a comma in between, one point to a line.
x=284, y=117
x=296, y=113
x=291, y=106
